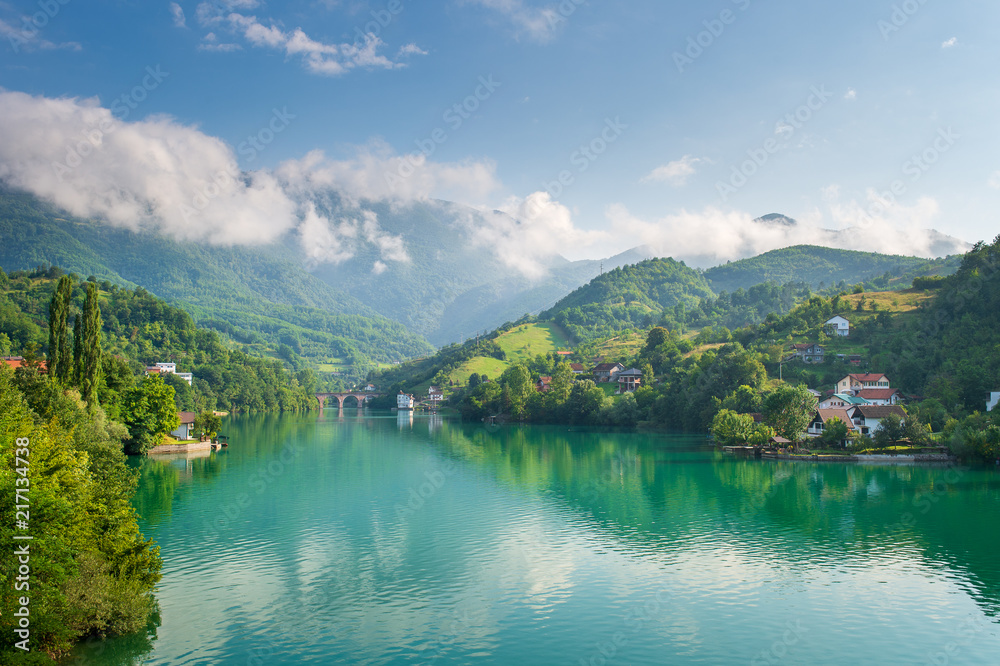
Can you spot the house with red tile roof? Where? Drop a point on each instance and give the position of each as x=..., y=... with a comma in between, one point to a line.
x=18, y=362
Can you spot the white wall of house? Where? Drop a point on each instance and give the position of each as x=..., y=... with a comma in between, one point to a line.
x=839, y=326
x=993, y=402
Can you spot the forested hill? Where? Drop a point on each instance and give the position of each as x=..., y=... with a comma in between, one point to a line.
x=949, y=349
x=629, y=297
x=261, y=296
x=139, y=330
x=823, y=267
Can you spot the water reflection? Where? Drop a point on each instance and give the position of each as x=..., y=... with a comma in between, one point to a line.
x=410, y=538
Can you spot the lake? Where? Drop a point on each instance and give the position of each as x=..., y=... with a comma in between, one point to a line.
x=389, y=538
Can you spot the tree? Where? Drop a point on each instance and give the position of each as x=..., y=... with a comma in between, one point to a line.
x=91, y=346
x=517, y=387
x=788, y=410
x=149, y=412
x=561, y=385
x=207, y=423
x=77, y=350
x=731, y=429
x=889, y=431
x=60, y=356
x=835, y=432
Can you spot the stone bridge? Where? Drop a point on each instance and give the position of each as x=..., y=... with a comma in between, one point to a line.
x=360, y=396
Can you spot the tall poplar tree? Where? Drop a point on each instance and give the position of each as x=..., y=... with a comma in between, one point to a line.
x=77, y=368
x=91, y=345
x=60, y=358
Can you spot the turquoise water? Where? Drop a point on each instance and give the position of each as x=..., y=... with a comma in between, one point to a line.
x=400, y=539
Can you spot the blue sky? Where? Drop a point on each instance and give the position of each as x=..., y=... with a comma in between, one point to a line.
x=674, y=100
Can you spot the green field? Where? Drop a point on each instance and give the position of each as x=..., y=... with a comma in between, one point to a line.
x=529, y=340
x=482, y=365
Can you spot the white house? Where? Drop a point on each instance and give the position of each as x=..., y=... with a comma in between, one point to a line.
x=994, y=400
x=854, y=383
x=404, y=401
x=169, y=369
x=839, y=326
x=186, y=429
x=434, y=396
x=823, y=416
x=868, y=418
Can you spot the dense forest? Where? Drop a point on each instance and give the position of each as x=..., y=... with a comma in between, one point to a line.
x=663, y=292
x=261, y=297
x=139, y=330
x=823, y=267
x=90, y=571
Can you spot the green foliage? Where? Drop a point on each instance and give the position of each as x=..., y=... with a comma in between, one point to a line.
x=150, y=413
x=90, y=365
x=628, y=297
x=788, y=409
x=207, y=424
x=835, y=432
x=732, y=429
x=259, y=296
x=92, y=572
x=821, y=266
x=139, y=329
x=60, y=353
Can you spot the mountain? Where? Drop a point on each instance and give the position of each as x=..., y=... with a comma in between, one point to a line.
x=451, y=284
x=632, y=296
x=821, y=267
x=260, y=295
x=442, y=287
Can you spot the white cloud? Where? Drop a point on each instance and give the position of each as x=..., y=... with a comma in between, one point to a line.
x=527, y=232
x=178, y=13
x=29, y=39
x=410, y=50
x=154, y=174
x=536, y=23
x=949, y=43
x=994, y=181
x=317, y=57
x=165, y=177
x=376, y=173
x=851, y=94
x=676, y=173
x=713, y=236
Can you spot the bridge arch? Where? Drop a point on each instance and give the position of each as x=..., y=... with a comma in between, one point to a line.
x=358, y=397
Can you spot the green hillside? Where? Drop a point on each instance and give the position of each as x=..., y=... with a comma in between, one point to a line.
x=258, y=295
x=821, y=267
x=628, y=297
